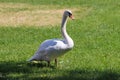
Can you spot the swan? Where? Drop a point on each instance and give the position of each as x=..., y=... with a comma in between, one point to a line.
x=53, y=48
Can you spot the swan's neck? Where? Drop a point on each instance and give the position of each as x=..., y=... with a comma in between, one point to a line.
x=65, y=35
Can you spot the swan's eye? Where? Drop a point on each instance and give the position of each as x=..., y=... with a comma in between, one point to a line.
x=69, y=14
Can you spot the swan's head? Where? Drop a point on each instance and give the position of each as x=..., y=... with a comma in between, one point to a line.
x=68, y=13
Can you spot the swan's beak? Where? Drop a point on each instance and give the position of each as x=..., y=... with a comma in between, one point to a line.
x=72, y=17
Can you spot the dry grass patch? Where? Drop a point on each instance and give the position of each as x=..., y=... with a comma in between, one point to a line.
x=15, y=14
x=30, y=18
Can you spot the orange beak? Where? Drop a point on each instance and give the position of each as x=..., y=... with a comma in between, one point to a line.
x=72, y=17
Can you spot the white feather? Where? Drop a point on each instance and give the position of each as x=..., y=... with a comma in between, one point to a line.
x=53, y=48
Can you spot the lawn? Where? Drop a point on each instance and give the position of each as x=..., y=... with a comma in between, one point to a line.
x=24, y=24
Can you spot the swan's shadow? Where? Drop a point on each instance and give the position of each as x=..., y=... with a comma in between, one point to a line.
x=27, y=70
x=40, y=64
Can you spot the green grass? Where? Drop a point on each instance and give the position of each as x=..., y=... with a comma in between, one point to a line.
x=95, y=56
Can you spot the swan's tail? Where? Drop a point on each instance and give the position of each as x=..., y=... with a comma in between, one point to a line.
x=29, y=60
x=33, y=58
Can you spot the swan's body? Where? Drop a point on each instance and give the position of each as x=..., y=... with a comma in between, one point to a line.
x=53, y=48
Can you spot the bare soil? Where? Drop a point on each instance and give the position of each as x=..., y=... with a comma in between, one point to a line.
x=14, y=14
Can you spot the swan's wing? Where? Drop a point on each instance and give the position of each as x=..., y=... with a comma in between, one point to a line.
x=53, y=43
x=47, y=43
x=49, y=49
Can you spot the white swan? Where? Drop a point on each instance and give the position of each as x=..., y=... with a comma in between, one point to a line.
x=53, y=48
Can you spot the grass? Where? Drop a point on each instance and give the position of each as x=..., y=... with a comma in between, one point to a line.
x=95, y=56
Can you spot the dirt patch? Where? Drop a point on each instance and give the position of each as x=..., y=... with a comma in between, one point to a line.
x=15, y=15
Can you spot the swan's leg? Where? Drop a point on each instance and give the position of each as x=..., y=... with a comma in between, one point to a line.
x=56, y=62
x=48, y=63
